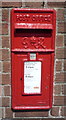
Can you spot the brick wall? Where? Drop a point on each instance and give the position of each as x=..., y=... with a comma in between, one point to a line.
x=58, y=110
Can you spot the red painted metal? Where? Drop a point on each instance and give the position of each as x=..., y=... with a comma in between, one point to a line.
x=32, y=31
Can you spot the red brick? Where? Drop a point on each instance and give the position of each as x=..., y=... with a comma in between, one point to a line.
x=5, y=42
x=60, y=77
x=0, y=90
x=58, y=65
x=6, y=79
x=61, y=27
x=5, y=15
x=65, y=4
x=64, y=89
x=4, y=28
x=59, y=40
x=0, y=54
x=7, y=91
x=0, y=78
x=15, y=3
x=0, y=101
x=0, y=28
x=5, y=54
x=0, y=3
x=63, y=111
x=32, y=114
x=57, y=89
x=60, y=100
x=65, y=40
x=34, y=4
x=55, y=1
x=65, y=51
x=5, y=101
x=41, y=118
x=60, y=14
x=34, y=1
x=0, y=16
x=8, y=113
x=64, y=65
x=0, y=66
x=55, y=111
x=0, y=42
x=6, y=67
x=0, y=12
x=60, y=53
x=56, y=4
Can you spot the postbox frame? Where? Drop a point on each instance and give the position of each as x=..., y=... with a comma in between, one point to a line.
x=20, y=51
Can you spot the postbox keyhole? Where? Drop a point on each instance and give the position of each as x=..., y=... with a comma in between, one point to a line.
x=20, y=78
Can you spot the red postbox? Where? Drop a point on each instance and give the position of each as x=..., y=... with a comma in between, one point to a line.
x=32, y=51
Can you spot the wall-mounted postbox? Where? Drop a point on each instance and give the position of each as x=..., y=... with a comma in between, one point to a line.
x=32, y=50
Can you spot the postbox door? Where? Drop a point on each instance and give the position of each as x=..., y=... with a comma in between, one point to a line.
x=31, y=100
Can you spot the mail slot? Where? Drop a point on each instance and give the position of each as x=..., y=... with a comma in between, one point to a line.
x=32, y=54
